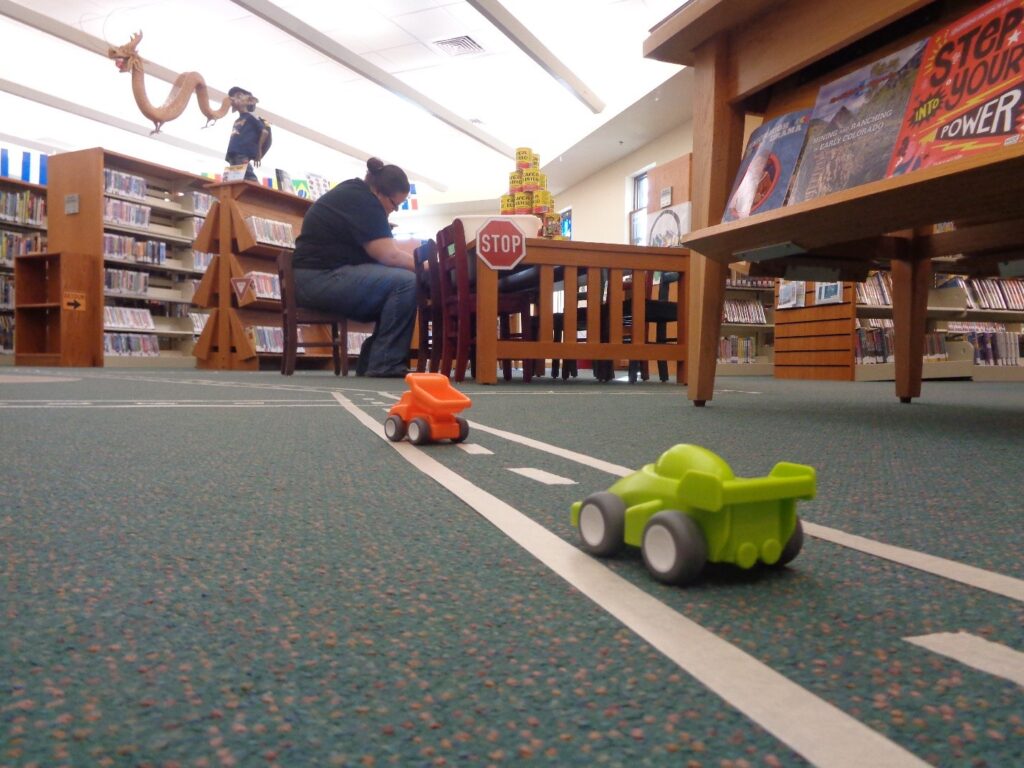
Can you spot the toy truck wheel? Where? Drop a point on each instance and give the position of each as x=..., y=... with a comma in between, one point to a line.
x=419, y=431
x=394, y=428
x=673, y=547
x=602, y=524
x=463, y=429
x=793, y=546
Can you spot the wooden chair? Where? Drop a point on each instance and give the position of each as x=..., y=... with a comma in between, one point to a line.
x=293, y=316
x=429, y=308
x=458, y=299
x=659, y=312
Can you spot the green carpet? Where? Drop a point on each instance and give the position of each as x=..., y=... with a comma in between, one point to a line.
x=209, y=569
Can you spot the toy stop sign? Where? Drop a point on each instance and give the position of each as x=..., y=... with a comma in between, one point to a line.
x=500, y=244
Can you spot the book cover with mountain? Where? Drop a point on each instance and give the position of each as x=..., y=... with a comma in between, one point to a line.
x=969, y=94
x=854, y=125
x=767, y=166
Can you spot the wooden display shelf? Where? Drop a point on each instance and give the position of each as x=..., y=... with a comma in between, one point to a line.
x=767, y=58
x=226, y=342
x=825, y=227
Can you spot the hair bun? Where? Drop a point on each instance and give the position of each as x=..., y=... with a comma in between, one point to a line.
x=374, y=165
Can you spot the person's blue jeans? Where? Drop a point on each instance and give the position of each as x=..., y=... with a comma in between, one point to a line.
x=367, y=293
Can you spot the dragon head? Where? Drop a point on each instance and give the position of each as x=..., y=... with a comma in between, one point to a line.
x=125, y=56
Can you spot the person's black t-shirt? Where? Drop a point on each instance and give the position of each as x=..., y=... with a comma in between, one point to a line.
x=245, y=137
x=340, y=222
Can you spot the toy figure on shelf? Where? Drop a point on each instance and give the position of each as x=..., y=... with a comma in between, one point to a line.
x=688, y=509
x=128, y=60
x=250, y=135
x=427, y=411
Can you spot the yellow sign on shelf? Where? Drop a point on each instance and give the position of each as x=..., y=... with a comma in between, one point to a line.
x=74, y=300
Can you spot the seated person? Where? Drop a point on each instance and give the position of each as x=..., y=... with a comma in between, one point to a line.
x=347, y=262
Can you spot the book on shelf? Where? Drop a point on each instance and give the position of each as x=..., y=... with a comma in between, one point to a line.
x=131, y=344
x=768, y=164
x=741, y=350
x=284, y=180
x=969, y=93
x=266, y=339
x=125, y=184
x=23, y=207
x=271, y=231
x=235, y=172
x=743, y=311
x=318, y=185
x=198, y=321
x=854, y=125
x=128, y=318
x=18, y=244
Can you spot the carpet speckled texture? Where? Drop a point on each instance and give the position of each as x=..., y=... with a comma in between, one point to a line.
x=216, y=569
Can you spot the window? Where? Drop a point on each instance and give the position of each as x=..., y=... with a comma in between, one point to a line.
x=638, y=216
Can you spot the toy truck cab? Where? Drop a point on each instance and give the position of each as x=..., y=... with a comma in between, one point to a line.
x=427, y=412
x=688, y=508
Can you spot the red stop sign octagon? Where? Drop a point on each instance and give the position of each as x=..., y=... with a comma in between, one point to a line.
x=500, y=244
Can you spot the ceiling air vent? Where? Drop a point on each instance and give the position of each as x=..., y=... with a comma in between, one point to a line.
x=459, y=46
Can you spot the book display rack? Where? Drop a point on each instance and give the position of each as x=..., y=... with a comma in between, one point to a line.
x=140, y=219
x=246, y=229
x=771, y=59
x=22, y=230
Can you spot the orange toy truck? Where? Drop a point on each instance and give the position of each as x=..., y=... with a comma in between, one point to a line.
x=427, y=411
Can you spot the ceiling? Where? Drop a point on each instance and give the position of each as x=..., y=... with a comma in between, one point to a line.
x=345, y=80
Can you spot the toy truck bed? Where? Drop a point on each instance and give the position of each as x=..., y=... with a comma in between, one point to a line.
x=427, y=412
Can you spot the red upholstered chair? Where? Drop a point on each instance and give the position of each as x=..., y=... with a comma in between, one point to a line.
x=458, y=298
x=429, y=308
x=293, y=316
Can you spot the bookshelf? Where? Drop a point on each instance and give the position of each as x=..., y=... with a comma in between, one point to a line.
x=748, y=316
x=853, y=339
x=246, y=229
x=22, y=230
x=58, y=310
x=141, y=220
x=741, y=68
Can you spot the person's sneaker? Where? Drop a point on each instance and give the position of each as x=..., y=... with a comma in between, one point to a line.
x=394, y=373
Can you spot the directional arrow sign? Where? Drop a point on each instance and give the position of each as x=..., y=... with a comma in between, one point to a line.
x=74, y=300
x=500, y=244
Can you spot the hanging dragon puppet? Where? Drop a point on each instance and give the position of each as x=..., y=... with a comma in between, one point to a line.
x=128, y=60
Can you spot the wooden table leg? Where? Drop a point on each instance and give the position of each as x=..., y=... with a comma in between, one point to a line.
x=707, y=292
x=717, y=148
x=486, y=324
x=910, y=282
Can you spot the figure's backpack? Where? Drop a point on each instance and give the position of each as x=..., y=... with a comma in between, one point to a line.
x=270, y=136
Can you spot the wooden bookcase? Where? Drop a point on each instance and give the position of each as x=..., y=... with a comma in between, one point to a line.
x=235, y=335
x=761, y=57
x=140, y=219
x=818, y=341
x=58, y=309
x=22, y=230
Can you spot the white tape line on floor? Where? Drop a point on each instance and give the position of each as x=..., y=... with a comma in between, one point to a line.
x=821, y=732
x=977, y=652
x=1007, y=586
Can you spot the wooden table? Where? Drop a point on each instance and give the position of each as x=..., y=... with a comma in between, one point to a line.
x=746, y=54
x=573, y=260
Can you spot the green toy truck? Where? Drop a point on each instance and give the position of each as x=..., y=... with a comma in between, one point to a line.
x=688, y=508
